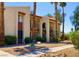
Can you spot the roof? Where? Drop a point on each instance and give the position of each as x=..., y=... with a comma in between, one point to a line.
x=36, y=16
x=52, y=18
x=17, y=6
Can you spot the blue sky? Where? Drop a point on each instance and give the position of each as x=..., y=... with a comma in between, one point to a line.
x=43, y=8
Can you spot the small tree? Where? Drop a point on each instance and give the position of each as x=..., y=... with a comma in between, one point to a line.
x=75, y=18
x=48, y=14
x=75, y=39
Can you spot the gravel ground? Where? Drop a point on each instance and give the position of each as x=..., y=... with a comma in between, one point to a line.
x=69, y=52
x=12, y=50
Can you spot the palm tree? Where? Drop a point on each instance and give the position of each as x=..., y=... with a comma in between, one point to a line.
x=55, y=4
x=63, y=4
x=1, y=23
x=34, y=15
x=59, y=19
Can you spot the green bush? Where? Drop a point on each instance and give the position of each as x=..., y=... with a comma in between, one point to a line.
x=55, y=40
x=75, y=39
x=66, y=37
x=59, y=39
x=28, y=40
x=9, y=40
x=42, y=39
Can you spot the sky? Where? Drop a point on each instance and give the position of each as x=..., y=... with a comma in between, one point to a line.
x=43, y=8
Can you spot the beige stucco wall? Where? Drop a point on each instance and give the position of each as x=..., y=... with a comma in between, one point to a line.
x=46, y=21
x=11, y=20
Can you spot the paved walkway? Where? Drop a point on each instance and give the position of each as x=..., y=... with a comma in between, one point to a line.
x=37, y=53
x=2, y=53
x=55, y=49
x=60, y=48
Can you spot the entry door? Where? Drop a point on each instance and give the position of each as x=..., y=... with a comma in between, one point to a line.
x=44, y=30
x=20, y=29
x=20, y=33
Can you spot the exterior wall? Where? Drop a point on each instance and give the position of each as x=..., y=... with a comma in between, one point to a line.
x=46, y=21
x=52, y=30
x=59, y=30
x=36, y=27
x=50, y=24
x=11, y=20
x=1, y=23
x=53, y=23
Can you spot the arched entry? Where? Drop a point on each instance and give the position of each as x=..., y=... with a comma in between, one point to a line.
x=44, y=30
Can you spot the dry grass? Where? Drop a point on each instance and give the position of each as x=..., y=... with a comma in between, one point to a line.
x=50, y=45
x=70, y=52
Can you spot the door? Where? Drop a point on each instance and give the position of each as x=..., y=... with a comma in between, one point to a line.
x=20, y=33
x=44, y=30
x=20, y=28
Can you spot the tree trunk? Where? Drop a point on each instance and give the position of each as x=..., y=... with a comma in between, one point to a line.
x=56, y=17
x=1, y=23
x=63, y=23
x=34, y=15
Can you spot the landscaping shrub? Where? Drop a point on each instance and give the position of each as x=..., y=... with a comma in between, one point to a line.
x=55, y=40
x=9, y=40
x=59, y=39
x=66, y=37
x=75, y=39
x=41, y=39
x=28, y=40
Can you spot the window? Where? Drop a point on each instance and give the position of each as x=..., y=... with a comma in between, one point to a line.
x=20, y=16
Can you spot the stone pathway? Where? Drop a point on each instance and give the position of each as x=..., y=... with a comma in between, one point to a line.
x=37, y=53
